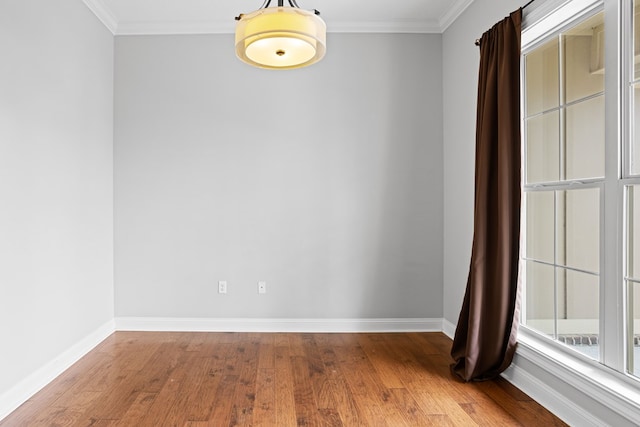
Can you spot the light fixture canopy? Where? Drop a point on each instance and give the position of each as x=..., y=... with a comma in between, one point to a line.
x=280, y=37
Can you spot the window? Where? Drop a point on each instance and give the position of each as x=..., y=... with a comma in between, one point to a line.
x=631, y=172
x=564, y=171
x=581, y=181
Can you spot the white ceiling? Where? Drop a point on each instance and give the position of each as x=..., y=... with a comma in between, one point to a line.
x=217, y=16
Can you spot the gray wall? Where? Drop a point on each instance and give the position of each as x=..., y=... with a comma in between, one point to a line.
x=56, y=181
x=460, y=85
x=325, y=182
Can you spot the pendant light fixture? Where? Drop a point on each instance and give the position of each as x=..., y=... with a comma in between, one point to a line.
x=280, y=37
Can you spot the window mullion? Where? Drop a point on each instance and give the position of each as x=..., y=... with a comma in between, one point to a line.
x=611, y=254
x=562, y=172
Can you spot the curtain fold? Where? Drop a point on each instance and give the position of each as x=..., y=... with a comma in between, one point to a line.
x=485, y=338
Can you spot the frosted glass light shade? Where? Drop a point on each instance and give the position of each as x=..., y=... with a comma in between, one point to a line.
x=280, y=38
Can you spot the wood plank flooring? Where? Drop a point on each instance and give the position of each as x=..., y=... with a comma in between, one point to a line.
x=251, y=379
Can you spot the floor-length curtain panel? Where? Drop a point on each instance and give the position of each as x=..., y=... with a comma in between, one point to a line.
x=485, y=337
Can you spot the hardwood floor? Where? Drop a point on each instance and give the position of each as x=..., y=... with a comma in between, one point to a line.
x=228, y=379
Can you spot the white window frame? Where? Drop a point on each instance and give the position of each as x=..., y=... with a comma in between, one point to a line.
x=627, y=178
x=539, y=24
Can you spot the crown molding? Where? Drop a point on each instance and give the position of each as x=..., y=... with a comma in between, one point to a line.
x=121, y=28
x=103, y=13
x=128, y=28
x=384, y=27
x=452, y=13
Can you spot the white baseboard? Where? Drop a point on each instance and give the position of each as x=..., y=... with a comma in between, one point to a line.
x=21, y=392
x=277, y=325
x=448, y=328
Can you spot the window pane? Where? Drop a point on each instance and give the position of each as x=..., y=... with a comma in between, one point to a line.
x=633, y=271
x=634, y=151
x=582, y=299
x=578, y=224
x=634, y=325
x=540, y=299
x=633, y=231
x=585, y=139
x=635, y=123
x=543, y=148
x=636, y=37
x=542, y=79
x=579, y=326
x=584, y=59
x=540, y=226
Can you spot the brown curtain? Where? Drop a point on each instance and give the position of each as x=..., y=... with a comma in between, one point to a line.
x=485, y=337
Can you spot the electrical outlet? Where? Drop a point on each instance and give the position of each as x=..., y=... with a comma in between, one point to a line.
x=262, y=287
x=222, y=287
